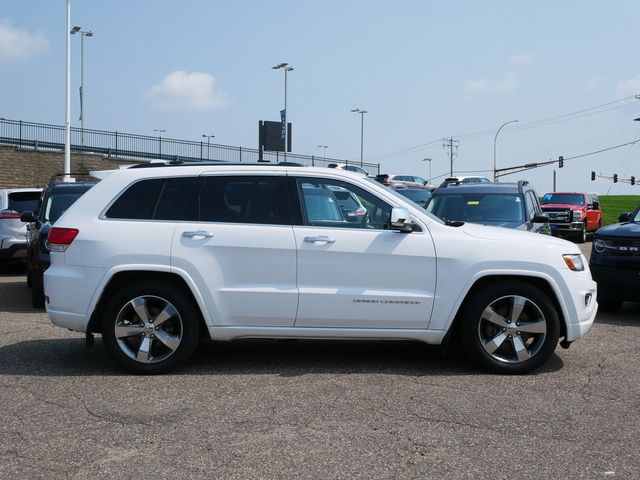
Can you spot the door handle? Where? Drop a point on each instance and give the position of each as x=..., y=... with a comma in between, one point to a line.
x=197, y=233
x=319, y=239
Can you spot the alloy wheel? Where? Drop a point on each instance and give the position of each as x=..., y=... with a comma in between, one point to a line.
x=512, y=329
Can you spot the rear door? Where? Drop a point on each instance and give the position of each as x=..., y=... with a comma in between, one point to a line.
x=241, y=249
x=354, y=272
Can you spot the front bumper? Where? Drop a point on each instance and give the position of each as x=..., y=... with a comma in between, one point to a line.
x=572, y=227
x=583, y=308
x=617, y=282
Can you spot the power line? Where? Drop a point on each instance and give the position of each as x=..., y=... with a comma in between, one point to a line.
x=451, y=145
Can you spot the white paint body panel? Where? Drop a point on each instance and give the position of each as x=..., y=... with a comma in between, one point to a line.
x=265, y=281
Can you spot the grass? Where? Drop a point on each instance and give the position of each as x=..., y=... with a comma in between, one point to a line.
x=613, y=205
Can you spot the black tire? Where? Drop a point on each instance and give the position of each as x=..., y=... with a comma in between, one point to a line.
x=28, y=274
x=182, y=327
x=37, y=291
x=582, y=235
x=538, y=312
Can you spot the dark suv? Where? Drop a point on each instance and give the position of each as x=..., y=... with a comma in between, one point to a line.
x=55, y=199
x=511, y=205
x=615, y=261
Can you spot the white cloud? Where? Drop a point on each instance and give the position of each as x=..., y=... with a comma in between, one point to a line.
x=629, y=87
x=523, y=58
x=507, y=84
x=18, y=44
x=181, y=90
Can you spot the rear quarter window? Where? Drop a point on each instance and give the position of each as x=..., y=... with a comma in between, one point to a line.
x=23, y=201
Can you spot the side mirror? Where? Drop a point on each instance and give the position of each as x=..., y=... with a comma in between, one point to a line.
x=27, y=217
x=624, y=217
x=540, y=218
x=596, y=206
x=401, y=220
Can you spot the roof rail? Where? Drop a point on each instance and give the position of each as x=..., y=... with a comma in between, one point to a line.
x=213, y=163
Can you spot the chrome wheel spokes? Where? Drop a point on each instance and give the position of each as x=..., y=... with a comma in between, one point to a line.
x=148, y=329
x=512, y=329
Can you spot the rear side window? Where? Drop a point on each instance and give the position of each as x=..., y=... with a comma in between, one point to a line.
x=23, y=201
x=157, y=199
x=250, y=199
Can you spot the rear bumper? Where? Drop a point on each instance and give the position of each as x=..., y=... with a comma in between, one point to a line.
x=13, y=248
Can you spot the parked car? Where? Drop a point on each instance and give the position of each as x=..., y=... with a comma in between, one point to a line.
x=350, y=204
x=13, y=232
x=152, y=258
x=510, y=205
x=395, y=180
x=615, y=261
x=56, y=198
x=417, y=195
x=349, y=168
x=453, y=181
x=572, y=214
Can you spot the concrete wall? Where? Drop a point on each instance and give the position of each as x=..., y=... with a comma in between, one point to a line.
x=32, y=168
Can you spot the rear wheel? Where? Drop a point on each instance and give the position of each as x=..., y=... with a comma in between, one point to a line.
x=150, y=327
x=510, y=327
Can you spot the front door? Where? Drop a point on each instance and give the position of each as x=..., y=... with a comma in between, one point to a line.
x=353, y=272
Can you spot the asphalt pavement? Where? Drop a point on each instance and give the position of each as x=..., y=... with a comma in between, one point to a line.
x=312, y=409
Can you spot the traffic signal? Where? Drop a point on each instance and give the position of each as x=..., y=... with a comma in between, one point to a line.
x=615, y=178
x=633, y=180
x=593, y=176
x=560, y=161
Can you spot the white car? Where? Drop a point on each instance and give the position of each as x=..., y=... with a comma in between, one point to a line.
x=153, y=258
x=349, y=168
x=13, y=231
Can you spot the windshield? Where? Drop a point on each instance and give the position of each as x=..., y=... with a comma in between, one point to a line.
x=402, y=198
x=416, y=195
x=478, y=207
x=563, y=198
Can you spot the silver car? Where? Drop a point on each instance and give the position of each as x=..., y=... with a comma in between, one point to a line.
x=13, y=232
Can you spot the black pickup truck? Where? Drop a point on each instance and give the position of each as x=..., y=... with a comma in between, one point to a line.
x=615, y=261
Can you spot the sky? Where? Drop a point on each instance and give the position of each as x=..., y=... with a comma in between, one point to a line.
x=424, y=70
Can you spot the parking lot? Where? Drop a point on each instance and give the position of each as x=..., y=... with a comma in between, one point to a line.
x=310, y=409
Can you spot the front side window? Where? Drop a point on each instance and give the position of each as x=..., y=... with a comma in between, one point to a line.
x=250, y=199
x=333, y=203
x=529, y=205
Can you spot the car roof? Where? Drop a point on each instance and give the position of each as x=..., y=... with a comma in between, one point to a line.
x=481, y=188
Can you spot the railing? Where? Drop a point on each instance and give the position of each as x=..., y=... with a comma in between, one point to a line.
x=40, y=136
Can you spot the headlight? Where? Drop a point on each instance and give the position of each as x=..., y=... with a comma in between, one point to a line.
x=599, y=246
x=577, y=215
x=574, y=261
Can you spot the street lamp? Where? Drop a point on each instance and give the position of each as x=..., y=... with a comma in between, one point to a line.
x=495, y=177
x=428, y=160
x=208, y=137
x=361, y=112
x=160, y=132
x=83, y=34
x=67, y=113
x=287, y=68
x=324, y=152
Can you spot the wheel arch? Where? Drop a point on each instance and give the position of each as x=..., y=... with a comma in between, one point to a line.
x=128, y=276
x=544, y=284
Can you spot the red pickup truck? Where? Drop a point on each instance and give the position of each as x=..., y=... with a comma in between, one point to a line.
x=572, y=214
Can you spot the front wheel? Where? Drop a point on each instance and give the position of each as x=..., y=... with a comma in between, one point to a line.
x=150, y=327
x=510, y=327
x=582, y=235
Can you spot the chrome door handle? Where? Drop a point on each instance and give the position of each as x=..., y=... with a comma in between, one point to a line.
x=197, y=233
x=319, y=239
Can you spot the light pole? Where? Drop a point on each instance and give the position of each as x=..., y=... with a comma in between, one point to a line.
x=324, y=152
x=287, y=68
x=495, y=177
x=160, y=132
x=428, y=160
x=208, y=137
x=67, y=122
x=83, y=34
x=361, y=112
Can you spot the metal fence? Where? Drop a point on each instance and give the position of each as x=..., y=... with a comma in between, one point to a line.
x=40, y=136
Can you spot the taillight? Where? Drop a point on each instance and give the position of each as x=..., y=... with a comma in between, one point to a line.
x=386, y=182
x=7, y=213
x=60, y=238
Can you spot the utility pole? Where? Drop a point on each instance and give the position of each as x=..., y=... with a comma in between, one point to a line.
x=452, y=146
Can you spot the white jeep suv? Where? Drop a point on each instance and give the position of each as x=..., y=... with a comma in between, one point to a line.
x=153, y=258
